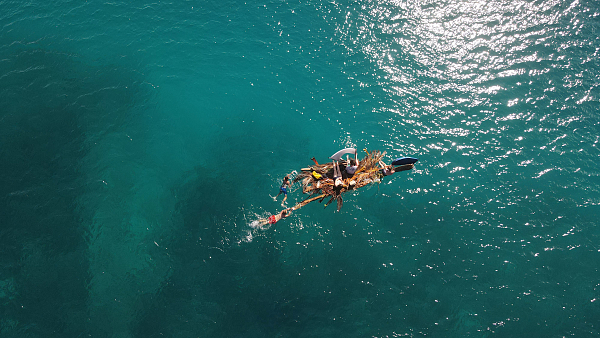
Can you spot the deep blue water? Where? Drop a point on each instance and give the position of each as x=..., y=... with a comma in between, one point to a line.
x=138, y=141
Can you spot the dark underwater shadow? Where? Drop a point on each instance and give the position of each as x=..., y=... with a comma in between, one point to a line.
x=46, y=107
x=222, y=285
x=193, y=303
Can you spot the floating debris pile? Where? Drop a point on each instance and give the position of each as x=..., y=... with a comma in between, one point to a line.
x=335, y=178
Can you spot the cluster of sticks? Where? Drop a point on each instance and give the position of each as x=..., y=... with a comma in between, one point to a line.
x=318, y=180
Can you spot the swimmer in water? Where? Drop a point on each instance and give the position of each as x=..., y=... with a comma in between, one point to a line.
x=275, y=218
x=284, y=188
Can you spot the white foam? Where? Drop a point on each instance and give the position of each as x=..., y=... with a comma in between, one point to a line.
x=254, y=224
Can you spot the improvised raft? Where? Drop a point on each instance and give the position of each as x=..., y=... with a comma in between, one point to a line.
x=320, y=181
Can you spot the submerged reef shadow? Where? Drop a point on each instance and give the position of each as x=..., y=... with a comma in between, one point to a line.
x=49, y=100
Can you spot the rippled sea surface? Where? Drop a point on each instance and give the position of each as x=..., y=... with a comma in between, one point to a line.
x=138, y=141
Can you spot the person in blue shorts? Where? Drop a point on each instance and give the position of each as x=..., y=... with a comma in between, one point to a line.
x=283, y=189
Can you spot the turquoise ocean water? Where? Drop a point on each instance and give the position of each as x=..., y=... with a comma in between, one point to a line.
x=138, y=141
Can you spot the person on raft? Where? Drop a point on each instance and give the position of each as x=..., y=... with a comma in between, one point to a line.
x=386, y=170
x=351, y=169
x=337, y=174
x=352, y=165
